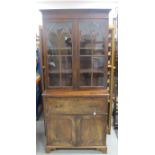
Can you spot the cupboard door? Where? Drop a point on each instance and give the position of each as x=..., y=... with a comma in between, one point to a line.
x=92, y=52
x=92, y=130
x=61, y=130
x=59, y=53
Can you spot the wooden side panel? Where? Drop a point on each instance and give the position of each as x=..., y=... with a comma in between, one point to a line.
x=61, y=130
x=93, y=130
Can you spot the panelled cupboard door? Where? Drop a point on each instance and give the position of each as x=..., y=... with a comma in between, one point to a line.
x=76, y=130
x=92, y=130
x=61, y=130
x=59, y=53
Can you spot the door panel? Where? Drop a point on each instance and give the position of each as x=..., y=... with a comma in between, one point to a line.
x=92, y=130
x=59, y=53
x=92, y=52
x=61, y=130
x=76, y=52
x=76, y=130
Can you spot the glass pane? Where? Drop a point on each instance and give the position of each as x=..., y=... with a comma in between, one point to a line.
x=66, y=79
x=53, y=63
x=85, y=52
x=92, y=52
x=59, y=48
x=93, y=35
x=99, y=52
x=98, y=79
x=85, y=62
x=66, y=52
x=66, y=63
x=99, y=48
x=85, y=79
x=98, y=63
x=54, y=79
x=59, y=35
x=53, y=51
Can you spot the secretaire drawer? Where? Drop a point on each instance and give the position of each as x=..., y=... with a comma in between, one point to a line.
x=76, y=105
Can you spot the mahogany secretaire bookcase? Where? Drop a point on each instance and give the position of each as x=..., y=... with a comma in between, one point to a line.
x=75, y=44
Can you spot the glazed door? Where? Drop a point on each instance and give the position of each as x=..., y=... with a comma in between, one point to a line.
x=92, y=49
x=76, y=53
x=59, y=54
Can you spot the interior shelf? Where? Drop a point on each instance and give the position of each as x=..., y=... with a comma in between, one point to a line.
x=62, y=71
x=93, y=55
x=91, y=71
x=54, y=55
x=66, y=48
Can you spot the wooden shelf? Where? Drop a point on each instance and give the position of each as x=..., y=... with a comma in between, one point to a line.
x=93, y=55
x=62, y=71
x=85, y=70
x=67, y=48
x=91, y=48
x=86, y=48
x=98, y=71
x=59, y=55
x=91, y=71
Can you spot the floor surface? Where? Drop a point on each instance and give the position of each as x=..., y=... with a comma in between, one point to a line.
x=40, y=144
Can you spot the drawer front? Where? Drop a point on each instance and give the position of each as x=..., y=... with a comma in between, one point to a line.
x=92, y=106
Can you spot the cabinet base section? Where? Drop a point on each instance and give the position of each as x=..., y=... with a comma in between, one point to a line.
x=49, y=148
